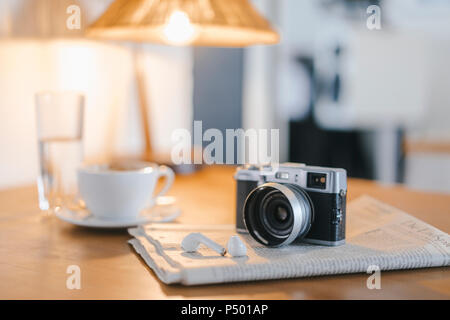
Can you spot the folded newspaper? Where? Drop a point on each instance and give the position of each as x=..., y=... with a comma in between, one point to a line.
x=377, y=234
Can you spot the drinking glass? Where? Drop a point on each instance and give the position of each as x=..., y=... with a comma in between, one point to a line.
x=59, y=118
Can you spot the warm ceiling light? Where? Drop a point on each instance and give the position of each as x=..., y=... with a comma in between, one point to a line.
x=224, y=23
x=179, y=30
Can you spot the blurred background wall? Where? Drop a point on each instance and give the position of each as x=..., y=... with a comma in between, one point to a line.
x=372, y=101
x=375, y=102
x=38, y=52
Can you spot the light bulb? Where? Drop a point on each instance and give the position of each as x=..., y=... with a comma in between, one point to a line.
x=178, y=29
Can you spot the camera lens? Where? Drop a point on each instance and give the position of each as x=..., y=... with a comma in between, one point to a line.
x=277, y=214
x=281, y=214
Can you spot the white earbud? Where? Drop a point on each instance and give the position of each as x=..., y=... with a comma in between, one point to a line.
x=236, y=247
x=193, y=240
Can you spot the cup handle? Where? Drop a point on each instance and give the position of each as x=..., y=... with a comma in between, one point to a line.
x=165, y=171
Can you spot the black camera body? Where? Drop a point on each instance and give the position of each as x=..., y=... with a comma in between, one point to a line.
x=281, y=204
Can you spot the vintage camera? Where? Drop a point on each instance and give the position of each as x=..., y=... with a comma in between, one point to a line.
x=292, y=201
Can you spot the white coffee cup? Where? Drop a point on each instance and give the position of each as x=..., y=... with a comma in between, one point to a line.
x=121, y=191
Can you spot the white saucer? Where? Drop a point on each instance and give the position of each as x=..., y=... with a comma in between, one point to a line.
x=85, y=219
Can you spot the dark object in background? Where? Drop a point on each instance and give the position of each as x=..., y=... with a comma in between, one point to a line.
x=218, y=74
x=217, y=94
x=310, y=144
x=339, y=149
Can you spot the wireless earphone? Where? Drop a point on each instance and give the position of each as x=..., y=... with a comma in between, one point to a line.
x=193, y=240
x=236, y=247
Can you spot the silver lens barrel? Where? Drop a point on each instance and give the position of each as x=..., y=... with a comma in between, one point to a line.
x=299, y=207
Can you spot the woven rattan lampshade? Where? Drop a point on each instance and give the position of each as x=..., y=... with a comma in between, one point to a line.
x=224, y=23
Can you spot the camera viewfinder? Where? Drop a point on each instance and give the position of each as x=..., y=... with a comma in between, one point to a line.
x=282, y=175
x=317, y=180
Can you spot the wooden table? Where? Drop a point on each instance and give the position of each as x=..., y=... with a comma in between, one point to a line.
x=35, y=251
